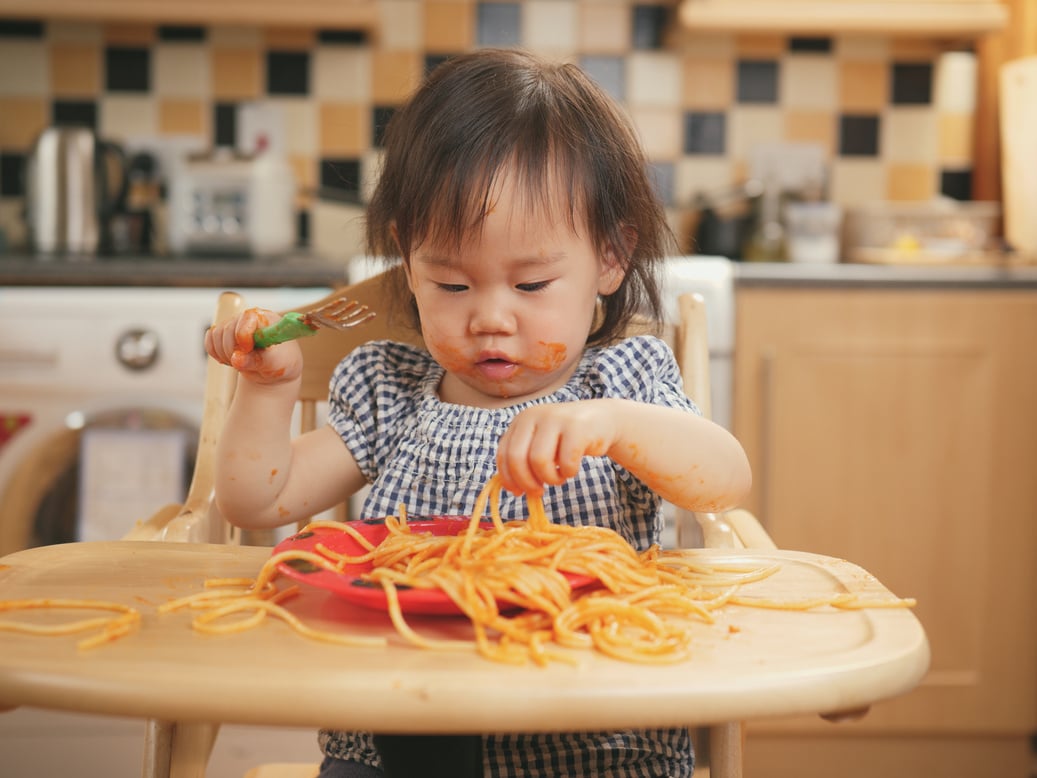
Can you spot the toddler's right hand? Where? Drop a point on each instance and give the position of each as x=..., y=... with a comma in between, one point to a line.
x=231, y=343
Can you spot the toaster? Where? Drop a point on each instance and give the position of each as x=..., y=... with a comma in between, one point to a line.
x=228, y=203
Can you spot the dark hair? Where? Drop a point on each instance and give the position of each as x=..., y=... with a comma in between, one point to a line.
x=494, y=109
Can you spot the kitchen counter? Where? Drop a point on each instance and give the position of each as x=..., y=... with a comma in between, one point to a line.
x=298, y=270
x=1002, y=276
x=304, y=269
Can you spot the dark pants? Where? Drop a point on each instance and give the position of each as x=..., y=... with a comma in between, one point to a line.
x=415, y=756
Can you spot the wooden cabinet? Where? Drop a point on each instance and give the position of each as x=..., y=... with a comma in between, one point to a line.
x=897, y=428
x=343, y=14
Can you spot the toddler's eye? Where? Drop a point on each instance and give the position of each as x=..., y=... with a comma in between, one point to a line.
x=536, y=286
x=452, y=287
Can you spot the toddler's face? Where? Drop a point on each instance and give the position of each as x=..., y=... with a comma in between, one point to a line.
x=508, y=314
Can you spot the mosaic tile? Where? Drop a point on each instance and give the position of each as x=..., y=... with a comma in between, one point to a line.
x=236, y=72
x=756, y=81
x=909, y=135
x=181, y=69
x=182, y=33
x=380, y=116
x=23, y=68
x=129, y=34
x=340, y=178
x=609, y=71
x=809, y=82
x=818, y=45
x=653, y=78
x=288, y=72
x=344, y=130
x=394, y=75
x=759, y=46
x=856, y=181
x=804, y=126
x=12, y=174
x=498, y=24
x=550, y=26
x=750, y=126
x=400, y=24
x=122, y=116
x=182, y=116
x=708, y=83
x=605, y=28
x=342, y=74
x=863, y=85
x=955, y=131
x=21, y=28
x=78, y=113
x=705, y=132
x=858, y=135
x=912, y=83
x=956, y=184
x=908, y=181
x=24, y=119
x=649, y=25
x=75, y=69
x=449, y=25
x=225, y=124
x=127, y=69
x=659, y=128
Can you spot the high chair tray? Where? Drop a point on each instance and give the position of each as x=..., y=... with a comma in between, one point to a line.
x=750, y=663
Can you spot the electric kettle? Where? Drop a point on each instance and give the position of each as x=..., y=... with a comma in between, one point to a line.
x=74, y=183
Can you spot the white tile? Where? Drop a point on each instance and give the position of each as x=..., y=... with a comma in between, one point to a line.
x=550, y=26
x=402, y=25
x=701, y=174
x=75, y=32
x=127, y=116
x=751, y=126
x=653, y=78
x=809, y=82
x=24, y=68
x=181, y=70
x=909, y=135
x=300, y=124
x=342, y=73
x=955, y=87
x=857, y=181
x=336, y=230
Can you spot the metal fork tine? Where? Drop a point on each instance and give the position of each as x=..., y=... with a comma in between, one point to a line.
x=341, y=314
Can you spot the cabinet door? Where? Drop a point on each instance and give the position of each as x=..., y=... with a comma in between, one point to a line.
x=898, y=429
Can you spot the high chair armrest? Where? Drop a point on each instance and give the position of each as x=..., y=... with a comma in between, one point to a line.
x=748, y=529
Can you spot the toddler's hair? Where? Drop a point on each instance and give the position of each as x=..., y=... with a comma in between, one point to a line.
x=557, y=131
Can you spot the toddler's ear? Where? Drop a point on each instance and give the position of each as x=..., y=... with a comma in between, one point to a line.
x=613, y=267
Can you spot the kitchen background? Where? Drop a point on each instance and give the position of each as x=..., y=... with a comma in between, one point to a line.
x=892, y=117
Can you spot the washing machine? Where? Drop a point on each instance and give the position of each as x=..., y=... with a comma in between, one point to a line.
x=100, y=403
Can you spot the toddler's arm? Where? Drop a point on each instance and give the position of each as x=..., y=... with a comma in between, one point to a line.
x=686, y=459
x=264, y=478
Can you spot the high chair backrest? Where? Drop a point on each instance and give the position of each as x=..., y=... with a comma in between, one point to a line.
x=199, y=521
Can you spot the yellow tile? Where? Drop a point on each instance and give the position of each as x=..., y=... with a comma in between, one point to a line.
x=304, y=168
x=394, y=75
x=75, y=70
x=289, y=38
x=449, y=26
x=24, y=118
x=955, y=133
x=906, y=181
x=708, y=83
x=129, y=34
x=344, y=130
x=811, y=127
x=914, y=48
x=604, y=28
x=760, y=45
x=863, y=85
x=235, y=73
x=659, y=129
x=176, y=117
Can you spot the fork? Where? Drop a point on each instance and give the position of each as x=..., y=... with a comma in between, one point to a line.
x=335, y=315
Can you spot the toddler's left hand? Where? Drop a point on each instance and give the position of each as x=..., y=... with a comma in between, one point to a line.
x=546, y=443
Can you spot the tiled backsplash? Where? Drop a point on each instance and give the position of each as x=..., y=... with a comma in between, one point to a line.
x=892, y=119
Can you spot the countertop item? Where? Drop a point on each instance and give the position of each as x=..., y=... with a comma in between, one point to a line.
x=750, y=663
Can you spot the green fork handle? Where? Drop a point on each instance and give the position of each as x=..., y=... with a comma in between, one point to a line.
x=290, y=327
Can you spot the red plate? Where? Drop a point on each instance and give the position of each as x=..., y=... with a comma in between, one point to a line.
x=348, y=583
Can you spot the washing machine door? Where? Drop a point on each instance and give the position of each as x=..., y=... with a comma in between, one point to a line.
x=96, y=476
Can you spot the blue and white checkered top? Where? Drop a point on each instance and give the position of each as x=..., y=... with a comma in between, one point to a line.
x=435, y=457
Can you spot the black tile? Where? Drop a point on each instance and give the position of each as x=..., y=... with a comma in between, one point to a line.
x=650, y=22
x=288, y=72
x=127, y=69
x=499, y=24
x=342, y=37
x=663, y=177
x=380, y=116
x=225, y=124
x=433, y=61
x=79, y=113
x=757, y=81
x=704, y=132
x=21, y=28
x=340, y=179
x=810, y=45
x=912, y=83
x=956, y=184
x=185, y=33
x=302, y=229
x=12, y=174
x=858, y=135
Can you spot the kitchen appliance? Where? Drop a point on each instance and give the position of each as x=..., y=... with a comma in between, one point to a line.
x=1019, y=153
x=75, y=182
x=228, y=203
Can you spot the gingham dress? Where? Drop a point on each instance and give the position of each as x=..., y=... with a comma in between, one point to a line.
x=435, y=457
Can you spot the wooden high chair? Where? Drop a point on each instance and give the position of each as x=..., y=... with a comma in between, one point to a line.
x=198, y=520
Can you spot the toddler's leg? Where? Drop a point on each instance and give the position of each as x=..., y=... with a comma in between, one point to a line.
x=430, y=756
x=338, y=768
